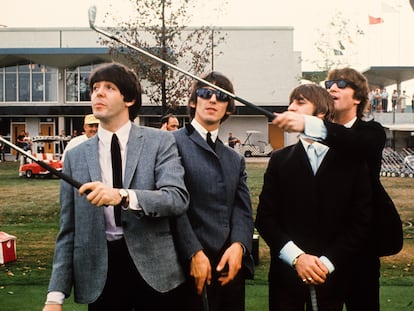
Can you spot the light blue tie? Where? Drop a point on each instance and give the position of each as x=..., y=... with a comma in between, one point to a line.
x=313, y=158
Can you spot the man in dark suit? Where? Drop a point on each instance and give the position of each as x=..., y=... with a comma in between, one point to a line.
x=215, y=236
x=314, y=213
x=353, y=136
x=119, y=261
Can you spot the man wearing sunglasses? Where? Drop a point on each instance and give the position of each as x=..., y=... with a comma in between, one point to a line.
x=215, y=236
x=350, y=134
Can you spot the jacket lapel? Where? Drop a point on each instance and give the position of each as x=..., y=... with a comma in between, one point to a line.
x=136, y=143
x=92, y=158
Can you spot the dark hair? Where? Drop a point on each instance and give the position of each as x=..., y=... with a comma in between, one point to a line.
x=360, y=86
x=215, y=78
x=318, y=96
x=126, y=81
x=166, y=118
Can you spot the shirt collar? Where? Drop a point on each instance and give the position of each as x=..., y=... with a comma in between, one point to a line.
x=319, y=148
x=203, y=132
x=123, y=133
x=350, y=123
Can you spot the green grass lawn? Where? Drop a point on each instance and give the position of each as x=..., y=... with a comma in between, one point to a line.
x=29, y=210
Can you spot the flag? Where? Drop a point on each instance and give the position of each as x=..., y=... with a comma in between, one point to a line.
x=375, y=20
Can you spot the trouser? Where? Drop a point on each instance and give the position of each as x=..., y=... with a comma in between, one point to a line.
x=126, y=290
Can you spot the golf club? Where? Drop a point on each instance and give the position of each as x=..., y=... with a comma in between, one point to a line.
x=51, y=169
x=92, y=16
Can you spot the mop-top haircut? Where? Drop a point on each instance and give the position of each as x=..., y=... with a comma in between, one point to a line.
x=221, y=81
x=318, y=96
x=126, y=81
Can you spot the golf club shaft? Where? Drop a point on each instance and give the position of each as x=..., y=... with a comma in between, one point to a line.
x=51, y=169
x=92, y=15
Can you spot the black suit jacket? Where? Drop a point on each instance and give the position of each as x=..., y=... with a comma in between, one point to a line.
x=366, y=140
x=327, y=214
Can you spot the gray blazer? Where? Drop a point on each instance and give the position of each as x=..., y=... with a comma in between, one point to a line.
x=220, y=210
x=154, y=172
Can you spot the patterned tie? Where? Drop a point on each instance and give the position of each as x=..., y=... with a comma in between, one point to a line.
x=116, y=174
x=210, y=141
x=313, y=158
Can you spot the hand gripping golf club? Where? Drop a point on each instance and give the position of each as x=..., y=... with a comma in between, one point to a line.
x=46, y=166
x=92, y=16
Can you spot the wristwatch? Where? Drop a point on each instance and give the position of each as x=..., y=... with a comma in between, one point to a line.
x=124, y=197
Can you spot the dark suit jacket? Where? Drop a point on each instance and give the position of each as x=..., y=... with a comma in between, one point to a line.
x=220, y=210
x=153, y=170
x=366, y=140
x=327, y=214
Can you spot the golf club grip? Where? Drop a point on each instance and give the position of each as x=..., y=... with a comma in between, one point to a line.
x=205, y=298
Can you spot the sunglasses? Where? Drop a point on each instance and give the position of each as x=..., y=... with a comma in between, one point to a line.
x=207, y=93
x=339, y=83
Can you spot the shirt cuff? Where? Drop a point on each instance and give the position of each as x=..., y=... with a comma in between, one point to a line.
x=55, y=297
x=314, y=128
x=328, y=264
x=289, y=252
x=133, y=200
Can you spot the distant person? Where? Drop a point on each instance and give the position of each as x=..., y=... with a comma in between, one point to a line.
x=384, y=98
x=232, y=140
x=21, y=143
x=402, y=102
x=90, y=126
x=394, y=99
x=412, y=103
x=169, y=122
x=2, y=150
x=63, y=141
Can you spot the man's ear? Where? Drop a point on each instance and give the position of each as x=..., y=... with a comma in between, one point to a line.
x=320, y=115
x=129, y=104
x=192, y=104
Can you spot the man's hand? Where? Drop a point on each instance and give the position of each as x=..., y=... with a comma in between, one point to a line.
x=290, y=121
x=200, y=270
x=53, y=307
x=232, y=258
x=311, y=270
x=100, y=194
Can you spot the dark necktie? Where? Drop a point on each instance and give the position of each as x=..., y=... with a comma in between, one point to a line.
x=210, y=141
x=116, y=174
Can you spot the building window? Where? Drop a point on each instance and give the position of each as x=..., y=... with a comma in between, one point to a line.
x=77, y=87
x=28, y=83
x=11, y=84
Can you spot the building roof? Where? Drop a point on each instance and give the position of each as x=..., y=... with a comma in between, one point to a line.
x=387, y=75
x=54, y=57
x=380, y=76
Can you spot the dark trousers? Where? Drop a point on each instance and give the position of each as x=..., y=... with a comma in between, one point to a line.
x=284, y=297
x=220, y=298
x=365, y=286
x=126, y=290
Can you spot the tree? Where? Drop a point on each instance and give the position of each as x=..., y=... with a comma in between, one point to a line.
x=336, y=46
x=160, y=29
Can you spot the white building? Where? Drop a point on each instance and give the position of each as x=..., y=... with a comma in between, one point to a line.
x=43, y=73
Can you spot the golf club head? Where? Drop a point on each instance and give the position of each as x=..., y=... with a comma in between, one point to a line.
x=92, y=16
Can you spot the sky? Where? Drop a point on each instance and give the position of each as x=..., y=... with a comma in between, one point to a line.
x=388, y=43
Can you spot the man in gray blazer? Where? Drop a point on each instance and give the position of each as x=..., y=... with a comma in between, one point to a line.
x=131, y=264
x=215, y=236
